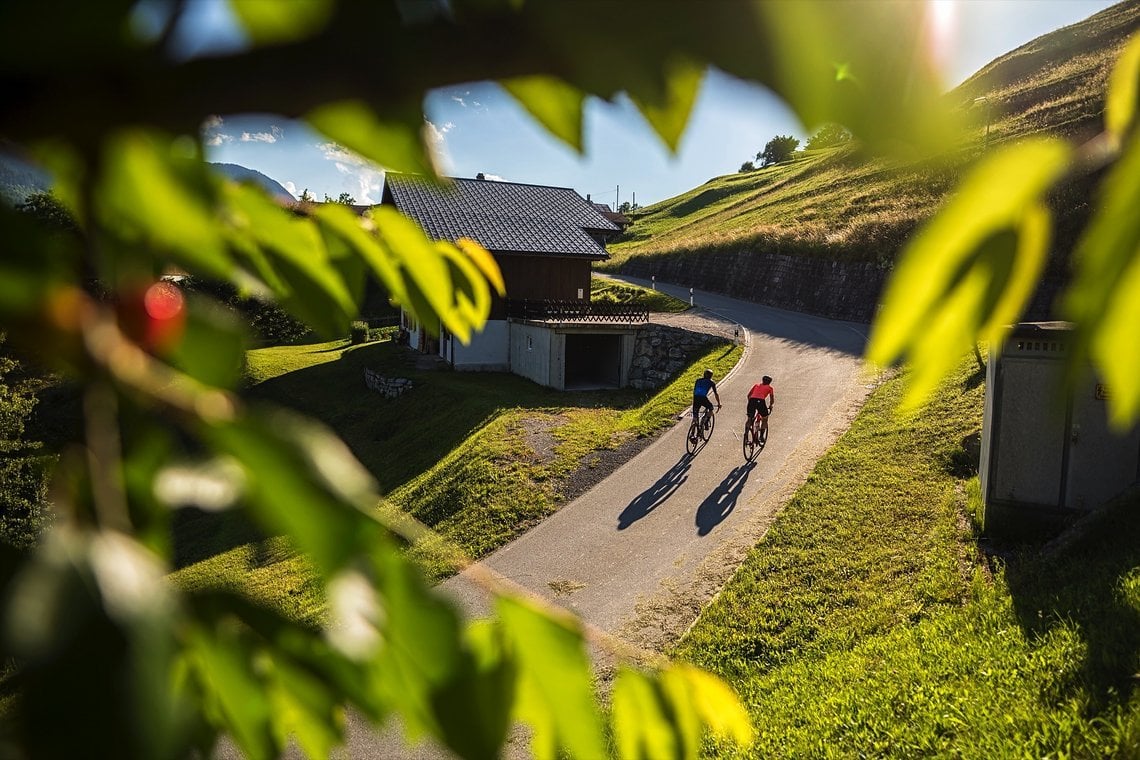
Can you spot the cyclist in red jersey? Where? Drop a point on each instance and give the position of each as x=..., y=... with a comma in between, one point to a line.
x=761, y=399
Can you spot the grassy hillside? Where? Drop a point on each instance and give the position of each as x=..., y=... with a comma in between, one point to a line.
x=867, y=623
x=842, y=204
x=479, y=457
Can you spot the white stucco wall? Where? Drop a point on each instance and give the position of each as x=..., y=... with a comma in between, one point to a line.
x=488, y=350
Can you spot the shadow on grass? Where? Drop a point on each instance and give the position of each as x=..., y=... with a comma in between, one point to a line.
x=1083, y=579
x=397, y=439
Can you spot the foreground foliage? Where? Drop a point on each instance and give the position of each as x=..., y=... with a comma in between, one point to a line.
x=144, y=669
x=867, y=622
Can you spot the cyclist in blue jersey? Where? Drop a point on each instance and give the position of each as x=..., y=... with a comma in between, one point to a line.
x=701, y=393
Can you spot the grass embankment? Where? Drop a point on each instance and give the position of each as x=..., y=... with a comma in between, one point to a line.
x=842, y=204
x=866, y=623
x=479, y=457
x=603, y=290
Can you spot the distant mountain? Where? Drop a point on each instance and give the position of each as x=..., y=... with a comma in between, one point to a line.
x=19, y=179
x=242, y=174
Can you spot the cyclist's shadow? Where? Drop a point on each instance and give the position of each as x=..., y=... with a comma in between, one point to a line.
x=656, y=494
x=720, y=503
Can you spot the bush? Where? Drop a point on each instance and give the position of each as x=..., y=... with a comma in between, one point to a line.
x=268, y=321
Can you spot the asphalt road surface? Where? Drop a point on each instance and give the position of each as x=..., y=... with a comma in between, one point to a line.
x=642, y=552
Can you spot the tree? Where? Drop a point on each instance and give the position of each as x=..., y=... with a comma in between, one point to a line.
x=344, y=199
x=747, y=166
x=307, y=197
x=777, y=150
x=828, y=136
x=143, y=668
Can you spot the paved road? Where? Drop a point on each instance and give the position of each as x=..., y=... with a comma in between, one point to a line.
x=632, y=547
x=642, y=552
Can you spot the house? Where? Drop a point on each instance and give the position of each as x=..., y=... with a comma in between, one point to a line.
x=621, y=220
x=545, y=240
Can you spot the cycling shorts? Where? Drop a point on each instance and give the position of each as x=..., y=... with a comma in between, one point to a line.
x=756, y=405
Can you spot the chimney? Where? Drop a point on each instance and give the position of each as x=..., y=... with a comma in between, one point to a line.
x=587, y=197
x=480, y=176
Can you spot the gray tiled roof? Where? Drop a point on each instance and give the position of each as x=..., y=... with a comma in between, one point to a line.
x=502, y=216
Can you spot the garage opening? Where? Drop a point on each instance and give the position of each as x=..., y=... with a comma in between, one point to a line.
x=593, y=361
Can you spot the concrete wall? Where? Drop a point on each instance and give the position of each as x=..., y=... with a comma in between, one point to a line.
x=488, y=350
x=537, y=354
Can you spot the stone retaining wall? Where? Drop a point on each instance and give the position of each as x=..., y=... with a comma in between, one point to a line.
x=389, y=387
x=660, y=352
x=847, y=290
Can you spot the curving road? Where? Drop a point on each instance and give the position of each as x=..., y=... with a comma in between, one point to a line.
x=640, y=553
x=643, y=551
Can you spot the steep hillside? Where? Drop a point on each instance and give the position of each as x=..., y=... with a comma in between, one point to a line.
x=839, y=205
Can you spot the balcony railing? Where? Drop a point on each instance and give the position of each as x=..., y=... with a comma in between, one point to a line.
x=577, y=311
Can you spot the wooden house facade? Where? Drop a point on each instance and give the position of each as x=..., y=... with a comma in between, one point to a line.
x=545, y=241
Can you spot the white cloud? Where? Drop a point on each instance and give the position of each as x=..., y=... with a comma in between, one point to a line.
x=459, y=100
x=493, y=177
x=212, y=133
x=363, y=180
x=288, y=185
x=274, y=134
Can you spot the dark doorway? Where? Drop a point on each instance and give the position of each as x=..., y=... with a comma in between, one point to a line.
x=593, y=361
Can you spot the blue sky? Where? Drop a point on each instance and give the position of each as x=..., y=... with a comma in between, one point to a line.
x=477, y=128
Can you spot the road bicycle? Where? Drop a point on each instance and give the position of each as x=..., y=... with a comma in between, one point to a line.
x=754, y=438
x=700, y=430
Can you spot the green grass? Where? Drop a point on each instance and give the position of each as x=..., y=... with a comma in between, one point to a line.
x=603, y=290
x=866, y=623
x=479, y=457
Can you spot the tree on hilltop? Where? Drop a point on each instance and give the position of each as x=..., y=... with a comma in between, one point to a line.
x=778, y=149
x=747, y=166
x=828, y=136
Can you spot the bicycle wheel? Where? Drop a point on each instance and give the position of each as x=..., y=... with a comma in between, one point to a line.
x=748, y=443
x=692, y=438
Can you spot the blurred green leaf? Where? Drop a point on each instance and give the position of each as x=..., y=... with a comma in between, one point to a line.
x=1104, y=297
x=309, y=285
x=439, y=280
x=304, y=707
x=340, y=222
x=713, y=701
x=642, y=726
x=553, y=103
x=556, y=696
x=83, y=592
x=474, y=707
x=226, y=663
x=212, y=345
x=273, y=22
x=486, y=263
x=669, y=113
x=153, y=198
x=303, y=482
x=395, y=141
x=970, y=271
x=1123, y=91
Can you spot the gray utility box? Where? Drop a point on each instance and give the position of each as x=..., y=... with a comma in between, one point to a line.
x=1048, y=454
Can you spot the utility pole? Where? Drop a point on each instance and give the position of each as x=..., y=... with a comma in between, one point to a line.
x=617, y=198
